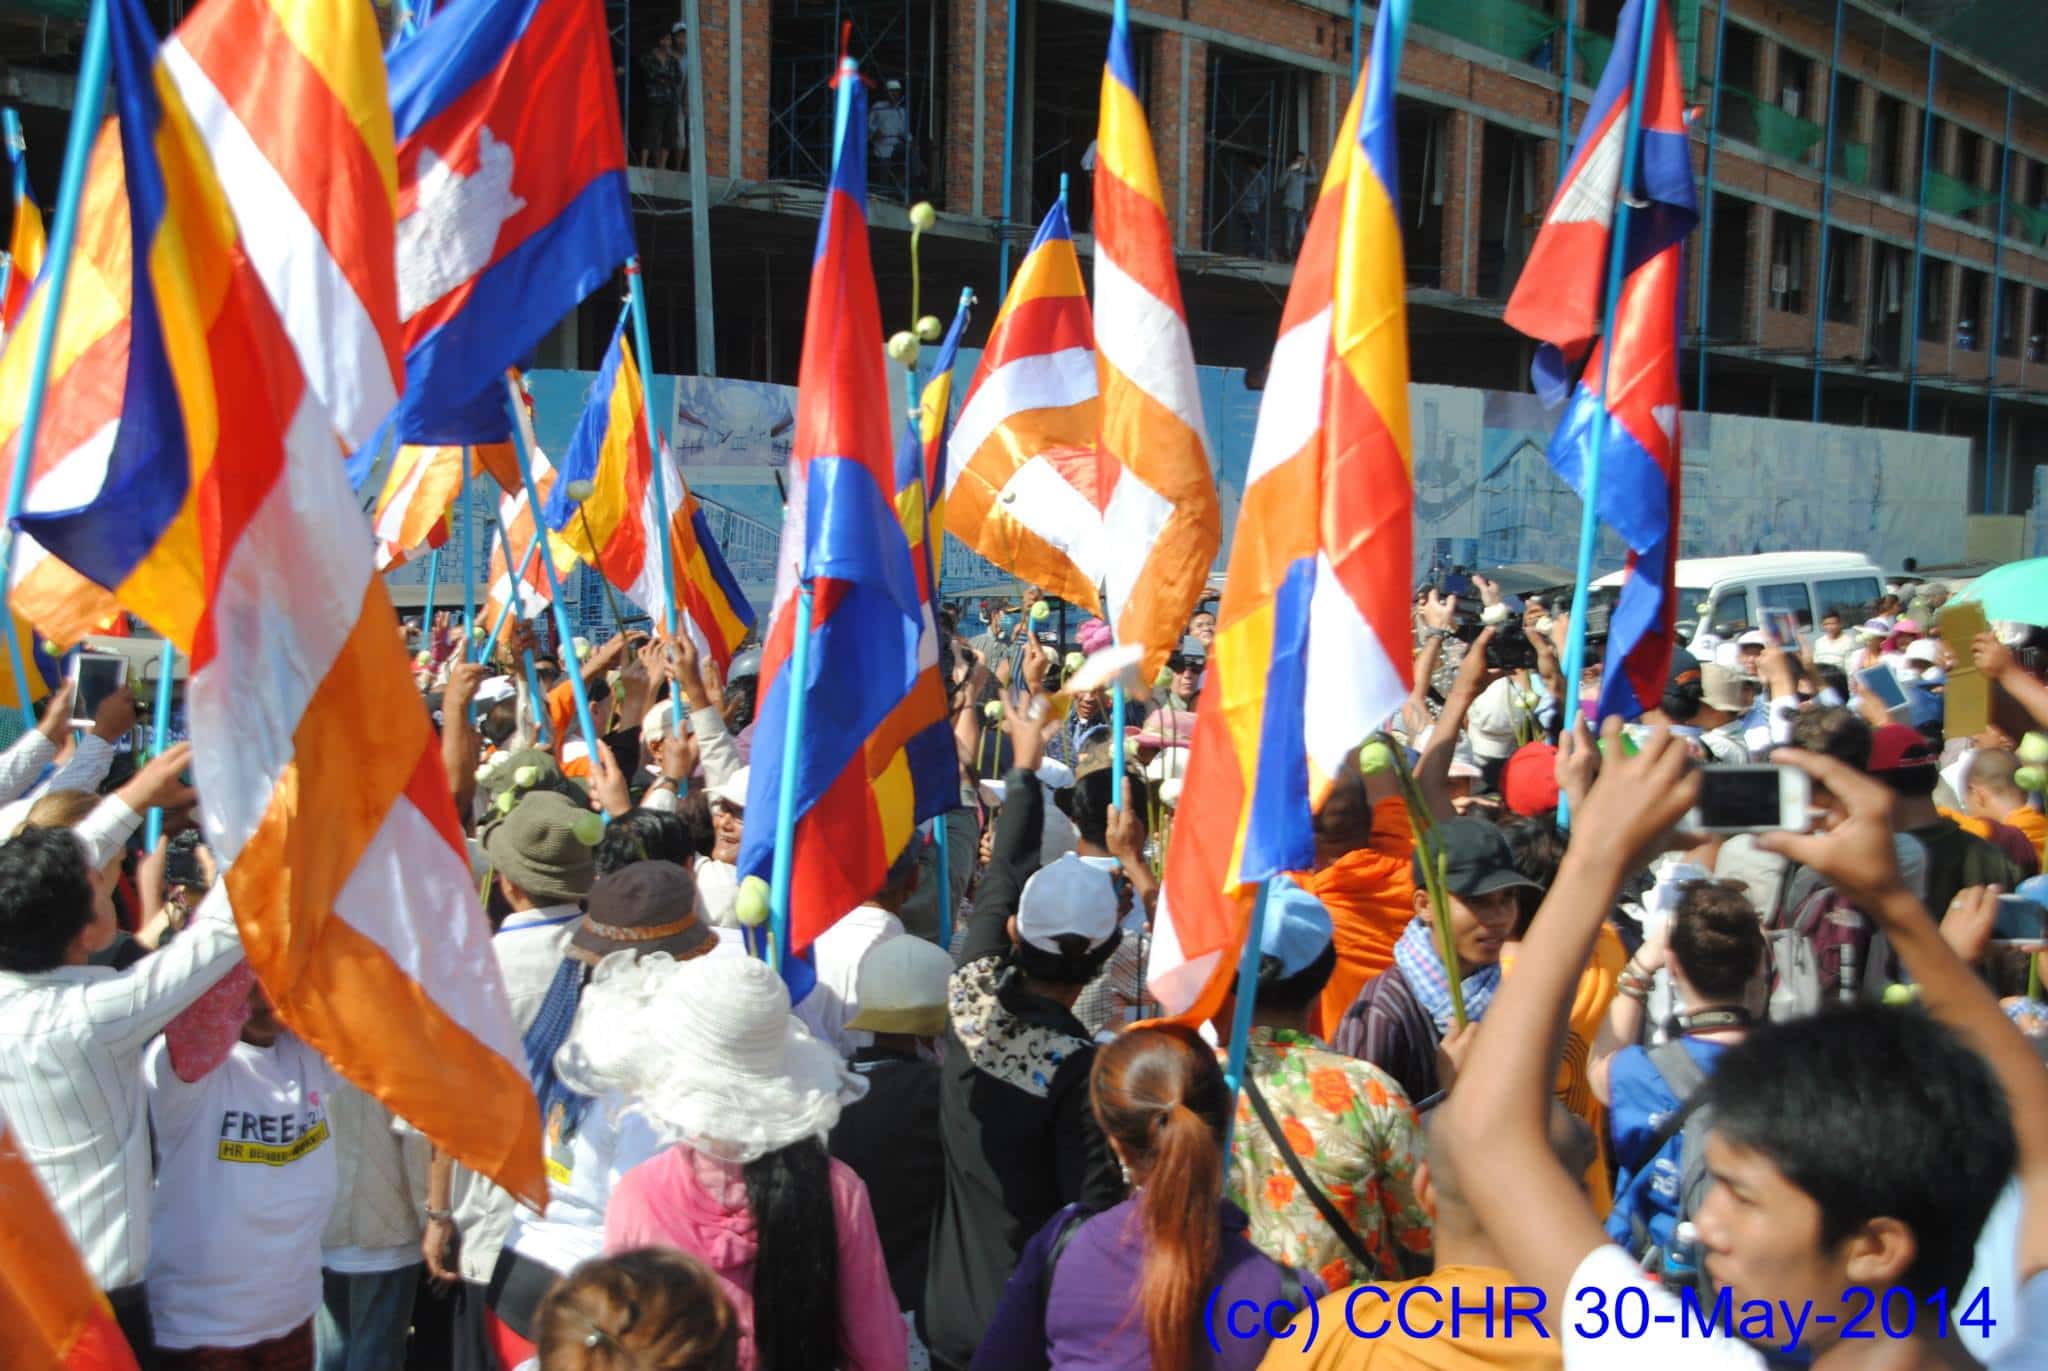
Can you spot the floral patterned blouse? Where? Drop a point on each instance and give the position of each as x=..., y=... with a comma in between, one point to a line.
x=1357, y=1137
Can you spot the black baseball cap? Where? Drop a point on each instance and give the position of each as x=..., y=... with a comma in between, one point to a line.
x=1685, y=669
x=1477, y=860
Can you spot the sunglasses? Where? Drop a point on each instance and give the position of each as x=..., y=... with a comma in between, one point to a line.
x=1178, y=663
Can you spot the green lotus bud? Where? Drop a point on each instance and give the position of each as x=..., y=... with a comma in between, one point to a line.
x=588, y=829
x=1901, y=994
x=1072, y=663
x=579, y=491
x=923, y=216
x=503, y=804
x=1494, y=614
x=1040, y=610
x=2031, y=778
x=479, y=633
x=1375, y=758
x=930, y=329
x=2034, y=749
x=992, y=711
x=526, y=777
x=751, y=905
x=902, y=349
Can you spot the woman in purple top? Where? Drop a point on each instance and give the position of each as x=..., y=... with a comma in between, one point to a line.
x=1130, y=1287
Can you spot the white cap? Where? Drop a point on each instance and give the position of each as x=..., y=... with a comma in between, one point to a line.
x=734, y=791
x=1924, y=650
x=901, y=987
x=892, y=85
x=660, y=721
x=1069, y=897
x=1754, y=638
x=495, y=690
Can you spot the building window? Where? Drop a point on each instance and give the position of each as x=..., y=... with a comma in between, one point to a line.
x=2010, y=323
x=1852, y=151
x=1891, y=281
x=2037, y=325
x=1738, y=84
x=1424, y=134
x=1845, y=276
x=1512, y=197
x=1933, y=301
x=1258, y=120
x=1972, y=311
x=1887, y=144
x=1789, y=237
x=1795, y=84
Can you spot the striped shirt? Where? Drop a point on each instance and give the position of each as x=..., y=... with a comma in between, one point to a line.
x=71, y=1045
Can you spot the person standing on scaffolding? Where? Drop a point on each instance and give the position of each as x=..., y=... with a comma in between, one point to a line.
x=662, y=74
x=889, y=138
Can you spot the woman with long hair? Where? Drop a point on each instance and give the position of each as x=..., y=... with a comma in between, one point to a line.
x=708, y=1054
x=1162, y=1102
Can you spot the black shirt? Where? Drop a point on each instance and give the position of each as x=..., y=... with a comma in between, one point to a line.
x=890, y=1137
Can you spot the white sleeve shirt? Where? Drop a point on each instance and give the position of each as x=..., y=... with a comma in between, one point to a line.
x=71, y=1045
x=1594, y=1339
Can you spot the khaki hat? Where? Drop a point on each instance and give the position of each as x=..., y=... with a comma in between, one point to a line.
x=1721, y=688
x=902, y=988
x=546, y=846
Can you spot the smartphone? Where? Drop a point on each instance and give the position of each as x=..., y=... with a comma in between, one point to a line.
x=94, y=676
x=1879, y=683
x=181, y=866
x=2019, y=920
x=1781, y=626
x=1752, y=799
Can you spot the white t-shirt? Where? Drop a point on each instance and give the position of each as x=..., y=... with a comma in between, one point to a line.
x=581, y=1174
x=836, y=997
x=1674, y=1344
x=244, y=1184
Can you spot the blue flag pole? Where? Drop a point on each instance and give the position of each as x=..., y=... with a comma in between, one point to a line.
x=89, y=102
x=468, y=552
x=570, y=664
x=159, y=737
x=517, y=578
x=427, y=614
x=17, y=154
x=785, y=800
x=1617, y=263
x=1241, y=1014
x=637, y=302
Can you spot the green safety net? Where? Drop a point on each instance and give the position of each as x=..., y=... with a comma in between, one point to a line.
x=1947, y=195
x=1852, y=163
x=1592, y=51
x=1786, y=135
x=2031, y=224
x=1507, y=27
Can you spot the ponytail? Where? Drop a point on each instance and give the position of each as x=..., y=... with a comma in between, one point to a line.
x=1159, y=1094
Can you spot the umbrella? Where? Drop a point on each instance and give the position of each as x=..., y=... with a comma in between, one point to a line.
x=2017, y=591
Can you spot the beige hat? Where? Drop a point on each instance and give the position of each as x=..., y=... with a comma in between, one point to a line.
x=1722, y=688
x=902, y=987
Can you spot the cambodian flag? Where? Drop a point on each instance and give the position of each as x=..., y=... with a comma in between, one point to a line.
x=854, y=791
x=511, y=198
x=1562, y=293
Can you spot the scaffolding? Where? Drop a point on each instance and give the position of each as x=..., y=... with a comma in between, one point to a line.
x=893, y=40
x=1258, y=121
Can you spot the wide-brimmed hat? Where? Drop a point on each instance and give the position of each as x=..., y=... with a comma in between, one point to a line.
x=547, y=846
x=643, y=907
x=709, y=1054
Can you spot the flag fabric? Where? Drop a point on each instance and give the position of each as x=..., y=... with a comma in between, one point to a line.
x=26, y=243
x=211, y=512
x=420, y=488
x=1160, y=522
x=928, y=750
x=1313, y=641
x=710, y=606
x=1561, y=294
x=45, y=670
x=1560, y=300
x=855, y=794
x=608, y=451
x=517, y=531
x=312, y=194
x=1024, y=484
x=511, y=197
x=52, y=1316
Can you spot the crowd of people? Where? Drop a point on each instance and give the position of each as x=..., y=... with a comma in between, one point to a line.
x=1644, y=1068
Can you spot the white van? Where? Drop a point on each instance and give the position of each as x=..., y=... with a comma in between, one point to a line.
x=1736, y=590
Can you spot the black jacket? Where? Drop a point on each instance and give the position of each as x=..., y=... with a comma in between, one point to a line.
x=890, y=1137
x=1020, y=1141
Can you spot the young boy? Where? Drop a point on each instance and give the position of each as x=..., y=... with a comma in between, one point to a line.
x=1852, y=1152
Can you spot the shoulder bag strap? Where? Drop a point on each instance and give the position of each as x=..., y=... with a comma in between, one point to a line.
x=1346, y=1234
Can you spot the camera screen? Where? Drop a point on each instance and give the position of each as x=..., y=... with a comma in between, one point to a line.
x=1744, y=798
x=98, y=677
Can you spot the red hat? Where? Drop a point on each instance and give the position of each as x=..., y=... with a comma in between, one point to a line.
x=1896, y=747
x=1529, y=781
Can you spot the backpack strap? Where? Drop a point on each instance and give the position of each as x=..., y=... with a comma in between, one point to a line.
x=1346, y=1234
x=1069, y=1226
x=1683, y=1078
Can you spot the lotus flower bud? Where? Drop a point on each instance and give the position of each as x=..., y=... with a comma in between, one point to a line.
x=579, y=491
x=930, y=329
x=923, y=216
x=525, y=777
x=751, y=905
x=1040, y=611
x=902, y=349
x=588, y=830
x=2034, y=749
x=1494, y=614
x=993, y=711
x=2032, y=778
x=1375, y=758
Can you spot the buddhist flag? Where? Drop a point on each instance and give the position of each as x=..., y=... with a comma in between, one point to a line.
x=52, y=1317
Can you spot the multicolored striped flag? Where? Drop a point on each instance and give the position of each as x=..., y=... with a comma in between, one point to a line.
x=515, y=517
x=211, y=511
x=52, y=1317
x=1313, y=648
x=420, y=487
x=710, y=606
x=855, y=789
x=1024, y=484
x=25, y=241
x=1160, y=523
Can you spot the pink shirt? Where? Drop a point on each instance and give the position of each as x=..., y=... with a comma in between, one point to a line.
x=685, y=1199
